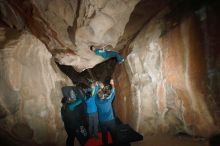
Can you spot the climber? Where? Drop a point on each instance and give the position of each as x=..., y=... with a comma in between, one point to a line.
x=105, y=114
x=107, y=53
x=72, y=120
x=92, y=109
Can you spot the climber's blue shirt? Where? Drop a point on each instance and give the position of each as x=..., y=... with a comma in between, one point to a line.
x=104, y=107
x=90, y=102
x=102, y=53
x=71, y=107
x=109, y=54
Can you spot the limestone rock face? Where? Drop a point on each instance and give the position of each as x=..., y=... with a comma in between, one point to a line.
x=69, y=27
x=30, y=92
x=163, y=84
x=104, y=24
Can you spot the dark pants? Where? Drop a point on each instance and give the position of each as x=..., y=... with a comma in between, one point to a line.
x=111, y=127
x=71, y=137
x=93, y=124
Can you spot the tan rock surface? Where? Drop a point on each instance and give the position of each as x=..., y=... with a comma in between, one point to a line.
x=162, y=85
x=30, y=90
x=73, y=25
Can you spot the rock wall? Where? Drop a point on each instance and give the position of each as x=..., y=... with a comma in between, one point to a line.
x=168, y=84
x=30, y=94
x=69, y=27
x=164, y=85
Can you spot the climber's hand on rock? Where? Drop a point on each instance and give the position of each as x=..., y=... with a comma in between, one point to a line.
x=112, y=82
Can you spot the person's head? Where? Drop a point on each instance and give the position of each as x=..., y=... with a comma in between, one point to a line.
x=92, y=48
x=107, y=90
x=101, y=94
x=72, y=95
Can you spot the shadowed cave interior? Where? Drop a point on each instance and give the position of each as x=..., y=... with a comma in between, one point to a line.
x=167, y=89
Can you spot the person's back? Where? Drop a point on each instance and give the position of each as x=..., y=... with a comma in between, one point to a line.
x=105, y=107
x=72, y=120
x=90, y=101
x=91, y=106
x=92, y=110
x=71, y=117
x=106, y=115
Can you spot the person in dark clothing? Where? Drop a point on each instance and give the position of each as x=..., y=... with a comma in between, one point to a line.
x=72, y=120
x=92, y=110
x=106, y=115
x=214, y=140
x=107, y=54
